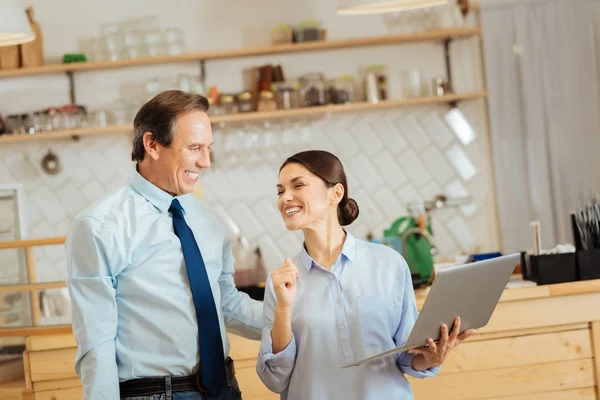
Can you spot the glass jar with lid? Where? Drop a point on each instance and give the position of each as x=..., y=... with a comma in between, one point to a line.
x=287, y=95
x=228, y=105
x=266, y=101
x=341, y=90
x=245, y=102
x=213, y=107
x=312, y=90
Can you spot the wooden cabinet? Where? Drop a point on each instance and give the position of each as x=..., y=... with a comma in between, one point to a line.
x=542, y=343
x=50, y=364
x=74, y=393
x=244, y=352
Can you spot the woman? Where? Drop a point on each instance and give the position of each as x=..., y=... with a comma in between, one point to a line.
x=340, y=300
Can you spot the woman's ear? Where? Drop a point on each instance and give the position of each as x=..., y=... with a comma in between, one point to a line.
x=150, y=145
x=337, y=193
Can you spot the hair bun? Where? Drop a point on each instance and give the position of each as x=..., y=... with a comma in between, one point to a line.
x=348, y=212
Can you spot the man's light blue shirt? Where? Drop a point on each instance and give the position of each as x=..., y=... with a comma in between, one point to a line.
x=364, y=305
x=133, y=311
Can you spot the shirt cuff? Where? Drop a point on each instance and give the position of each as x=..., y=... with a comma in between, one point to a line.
x=404, y=362
x=285, y=357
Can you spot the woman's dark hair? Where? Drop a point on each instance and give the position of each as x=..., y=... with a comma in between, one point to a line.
x=330, y=169
x=159, y=115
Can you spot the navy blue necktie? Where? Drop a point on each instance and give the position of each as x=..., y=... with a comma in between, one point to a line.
x=212, y=359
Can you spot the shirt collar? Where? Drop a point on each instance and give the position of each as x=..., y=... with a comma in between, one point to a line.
x=348, y=251
x=158, y=197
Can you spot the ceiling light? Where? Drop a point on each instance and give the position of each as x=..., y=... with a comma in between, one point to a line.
x=357, y=7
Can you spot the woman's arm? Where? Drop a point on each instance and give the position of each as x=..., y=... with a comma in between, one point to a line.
x=284, y=284
x=281, y=333
x=277, y=354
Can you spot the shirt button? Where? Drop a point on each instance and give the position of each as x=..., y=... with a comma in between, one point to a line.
x=342, y=326
x=338, y=300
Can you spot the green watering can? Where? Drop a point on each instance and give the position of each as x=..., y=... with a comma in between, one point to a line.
x=416, y=248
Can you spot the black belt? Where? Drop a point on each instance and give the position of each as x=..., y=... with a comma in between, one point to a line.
x=150, y=386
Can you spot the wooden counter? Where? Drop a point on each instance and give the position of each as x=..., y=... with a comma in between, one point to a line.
x=542, y=343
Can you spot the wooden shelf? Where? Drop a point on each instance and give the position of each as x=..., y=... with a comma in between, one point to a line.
x=28, y=287
x=19, y=244
x=437, y=35
x=36, y=330
x=256, y=116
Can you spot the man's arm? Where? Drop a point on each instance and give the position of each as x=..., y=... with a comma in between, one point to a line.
x=91, y=247
x=243, y=315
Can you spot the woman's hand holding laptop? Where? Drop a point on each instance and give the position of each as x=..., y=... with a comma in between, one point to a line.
x=434, y=353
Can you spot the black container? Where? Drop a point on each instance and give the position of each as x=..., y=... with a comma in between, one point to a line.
x=255, y=292
x=549, y=268
x=588, y=264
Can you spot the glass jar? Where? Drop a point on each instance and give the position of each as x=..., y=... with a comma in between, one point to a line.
x=228, y=104
x=16, y=124
x=281, y=34
x=308, y=31
x=287, y=95
x=341, y=90
x=312, y=90
x=266, y=101
x=244, y=102
x=380, y=73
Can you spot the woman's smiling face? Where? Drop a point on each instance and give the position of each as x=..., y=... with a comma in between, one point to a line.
x=303, y=198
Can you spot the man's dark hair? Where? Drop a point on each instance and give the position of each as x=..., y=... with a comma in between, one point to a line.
x=159, y=115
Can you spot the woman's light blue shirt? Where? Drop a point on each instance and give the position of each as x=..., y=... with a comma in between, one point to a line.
x=364, y=305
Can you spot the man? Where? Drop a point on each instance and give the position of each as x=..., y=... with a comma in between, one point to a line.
x=150, y=272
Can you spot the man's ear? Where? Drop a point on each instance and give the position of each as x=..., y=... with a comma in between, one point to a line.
x=150, y=145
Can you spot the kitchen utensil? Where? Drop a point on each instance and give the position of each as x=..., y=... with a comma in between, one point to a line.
x=51, y=163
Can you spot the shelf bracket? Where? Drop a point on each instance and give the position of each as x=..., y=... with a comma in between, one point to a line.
x=202, y=73
x=71, y=87
x=447, y=43
x=464, y=6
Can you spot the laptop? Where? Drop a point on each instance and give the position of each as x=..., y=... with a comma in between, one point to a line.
x=469, y=291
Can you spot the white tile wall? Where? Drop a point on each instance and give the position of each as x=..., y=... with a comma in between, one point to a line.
x=415, y=134
x=457, y=189
x=416, y=170
x=364, y=170
x=368, y=208
x=439, y=131
x=391, y=158
x=443, y=240
x=462, y=234
x=461, y=162
x=365, y=138
x=387, y=202
x=394, y=143
x=437, y=164
x=249, y=224
x=270, y=217
x=408, y=194
x=390, y=170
